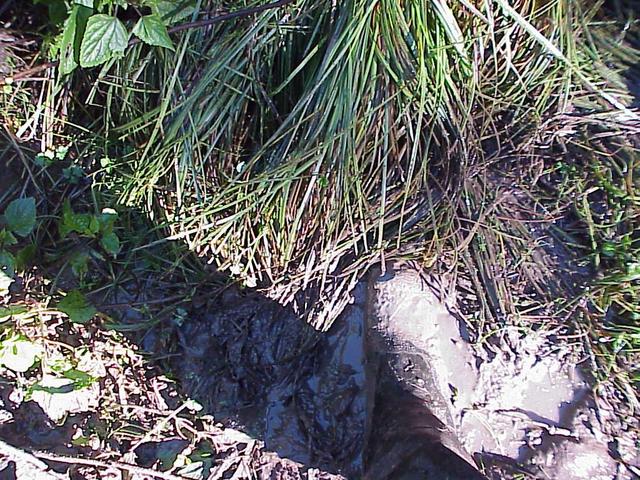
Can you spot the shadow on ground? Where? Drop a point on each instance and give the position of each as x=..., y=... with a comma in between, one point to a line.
x=325, y=400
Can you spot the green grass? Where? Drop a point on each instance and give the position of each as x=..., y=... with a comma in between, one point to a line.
x=299, y=146
x=293, y=149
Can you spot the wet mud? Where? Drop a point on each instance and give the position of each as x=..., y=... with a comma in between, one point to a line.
x=394, y=389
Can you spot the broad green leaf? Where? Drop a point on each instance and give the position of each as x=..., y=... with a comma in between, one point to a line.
x=86, y=3
x=111, y=243
x=72, y=34
x=18, y=353
x=76, y=306
x=150, y=29
x=172, y=11
x=20, y=216
x=104, y=38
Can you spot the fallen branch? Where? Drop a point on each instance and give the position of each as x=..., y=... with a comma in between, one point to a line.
x=25, y=75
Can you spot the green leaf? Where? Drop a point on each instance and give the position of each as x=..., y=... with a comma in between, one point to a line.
x=111, y=243
x=67, y=53
x=73, y=174
x=72, y=34
x=79, y=263
x=82, y=223
x=25, y=256
x=107, y=218
x=172, y=11
x=77, y=308
x=105, y=38
x=18, y=353
x=20, y=216
x=7, y=238
x=80, y=379
x=151, y=30
x=7, y=263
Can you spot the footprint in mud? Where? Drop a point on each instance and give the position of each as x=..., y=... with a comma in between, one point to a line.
x=393, y=390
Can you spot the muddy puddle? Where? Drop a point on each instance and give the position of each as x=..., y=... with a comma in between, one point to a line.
x=395, y=389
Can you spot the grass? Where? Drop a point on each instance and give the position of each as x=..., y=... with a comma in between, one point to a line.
x=300, y=146
x=293, y=149
x=494, y=142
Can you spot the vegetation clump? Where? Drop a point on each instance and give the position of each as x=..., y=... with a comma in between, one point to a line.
x=289, y=146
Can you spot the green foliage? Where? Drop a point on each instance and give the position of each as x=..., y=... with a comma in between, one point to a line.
x=20, y=216
x=20, y=219
x=49, y=157
x=172, y=11
x=94, y=226
x=76, y=307
x=80, y=379
x=92, y=33
x=57, y=10
x=105, y=38
x=72, y=36
x=81, y=223
x=151, y=29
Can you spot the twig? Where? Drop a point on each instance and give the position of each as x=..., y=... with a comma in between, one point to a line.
x=25, y=75
x=99, y=464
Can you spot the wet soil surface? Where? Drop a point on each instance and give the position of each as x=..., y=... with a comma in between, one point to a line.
x=395, y=389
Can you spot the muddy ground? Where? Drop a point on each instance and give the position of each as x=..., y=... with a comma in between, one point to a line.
x=394, y=390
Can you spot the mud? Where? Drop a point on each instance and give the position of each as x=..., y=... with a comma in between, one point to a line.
x=395, y=389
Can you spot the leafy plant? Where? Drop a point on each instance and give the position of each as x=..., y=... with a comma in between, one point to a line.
x=93, y=34
x=91, y=225
x=19, y=219
x=20, y=216
x=76, y=307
